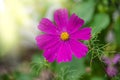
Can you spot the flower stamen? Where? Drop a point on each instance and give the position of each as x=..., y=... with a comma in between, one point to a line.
x=64, y=36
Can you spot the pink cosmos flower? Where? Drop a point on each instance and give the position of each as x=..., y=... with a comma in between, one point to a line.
x=62, y=40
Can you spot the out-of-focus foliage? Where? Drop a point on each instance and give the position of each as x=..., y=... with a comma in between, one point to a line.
x=117, y=32
x=18, y=29
x=82, y=9
x=64, y=71
x=100, y=22
x=71, y=70
x=38, y=64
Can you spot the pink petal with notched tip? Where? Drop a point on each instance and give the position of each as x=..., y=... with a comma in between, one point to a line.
x=61, y=18
x=64, y=53
x=83, y=34
x=47, y=26
x=74, y=23
x=46, y=41
x=79, y=49
x=51, y=53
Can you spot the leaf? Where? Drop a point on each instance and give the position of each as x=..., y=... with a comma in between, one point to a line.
x=84, y=10
x=100, y=22
x=96, y=48
x=71, y=70
x=38, y=63
x=66, y=73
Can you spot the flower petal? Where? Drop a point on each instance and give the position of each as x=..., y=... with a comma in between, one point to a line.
x=47, y=26
x=61, y=18
x=83, y=34
x=51, y=53
x=116, y=59
x=111, y=71
x=106, y=60
x=46, y=41
x=64, y=53
x=74, y=23
x=79, y=50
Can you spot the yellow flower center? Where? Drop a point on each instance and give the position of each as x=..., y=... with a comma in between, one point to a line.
x=64, y=36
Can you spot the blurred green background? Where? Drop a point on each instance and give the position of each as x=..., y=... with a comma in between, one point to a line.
x=20, y=58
